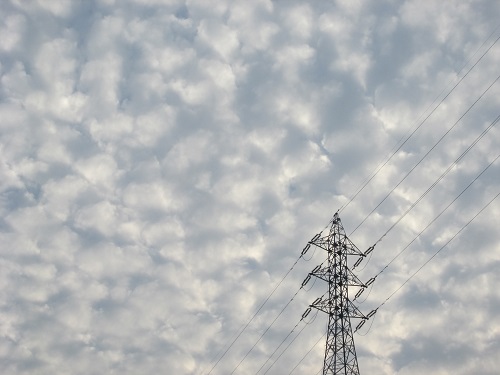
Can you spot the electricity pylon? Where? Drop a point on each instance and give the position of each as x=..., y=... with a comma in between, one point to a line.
x=340, y=353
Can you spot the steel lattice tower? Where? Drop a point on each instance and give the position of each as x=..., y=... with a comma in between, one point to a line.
x=340, y=353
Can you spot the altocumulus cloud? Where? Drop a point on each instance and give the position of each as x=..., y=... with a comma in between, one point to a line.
x=162, y=163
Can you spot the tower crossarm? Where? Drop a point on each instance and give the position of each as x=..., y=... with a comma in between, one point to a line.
x=328, y=274
x=346, y=246
x=327, y=306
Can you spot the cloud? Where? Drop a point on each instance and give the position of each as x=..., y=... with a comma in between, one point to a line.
x=163, y=164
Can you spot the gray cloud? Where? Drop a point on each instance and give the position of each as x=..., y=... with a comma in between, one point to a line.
x=163, y=163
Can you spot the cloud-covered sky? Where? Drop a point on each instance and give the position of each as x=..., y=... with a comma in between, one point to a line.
x=164, y=162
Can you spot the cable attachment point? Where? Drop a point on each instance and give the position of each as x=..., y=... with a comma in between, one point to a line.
x=306, y=280
x=371, y=313
x=306, y=313
x=306, y=249
x=369, y=250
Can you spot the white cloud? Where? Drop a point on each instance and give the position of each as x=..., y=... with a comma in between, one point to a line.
x=218, y=37
x=162, y=165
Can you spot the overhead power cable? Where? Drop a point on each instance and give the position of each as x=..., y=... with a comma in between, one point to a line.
x=383, y=164
x=254, y=315
x=284, y=340
x=479, y=48
x=437, y=252
x=279, y=346
x=438, y=216
x=266, y=330
x=289, y=344
x=452, y=165
x=426, y=154
x=305, y=355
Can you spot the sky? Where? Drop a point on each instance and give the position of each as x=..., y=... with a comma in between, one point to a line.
x=164, y=162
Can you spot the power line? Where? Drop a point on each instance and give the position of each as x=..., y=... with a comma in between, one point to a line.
x=266, y=330
x=305, y=355
x=289, y=344
x=383, y=164
x=426, y=154
x=438, y=216
x=254, y=315
x=283, y=341
x=279, y=346
x=437, y=252
x=304, y=252
x=452, y=165
x=477, y=50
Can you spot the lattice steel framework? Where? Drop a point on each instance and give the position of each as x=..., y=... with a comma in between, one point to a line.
x=340, y=352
